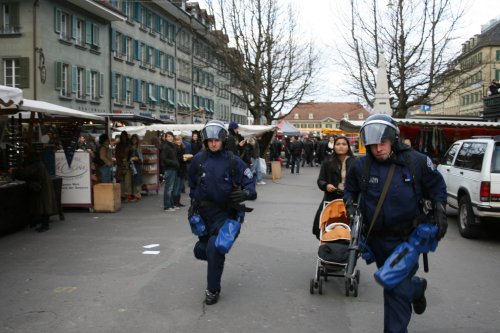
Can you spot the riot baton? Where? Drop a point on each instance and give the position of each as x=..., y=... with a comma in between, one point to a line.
x=426, y=262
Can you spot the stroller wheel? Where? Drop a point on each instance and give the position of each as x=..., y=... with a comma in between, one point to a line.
x=355, y=288
x=311, y=287
x=347, y=287
x=358, y=273
x=320, y=287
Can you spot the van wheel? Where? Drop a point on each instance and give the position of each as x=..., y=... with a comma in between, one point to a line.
x=466, y=218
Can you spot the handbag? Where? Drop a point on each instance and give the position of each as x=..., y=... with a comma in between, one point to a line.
x=262, y=165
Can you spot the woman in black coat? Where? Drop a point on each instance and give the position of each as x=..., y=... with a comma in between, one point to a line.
x=332, y=175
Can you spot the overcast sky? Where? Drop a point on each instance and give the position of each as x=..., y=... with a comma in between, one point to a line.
x=317, y=20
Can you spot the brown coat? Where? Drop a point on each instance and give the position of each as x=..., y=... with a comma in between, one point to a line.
x=41, y=194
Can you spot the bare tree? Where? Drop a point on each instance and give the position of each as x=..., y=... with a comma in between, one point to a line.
x=272, y=68
x=415, y=38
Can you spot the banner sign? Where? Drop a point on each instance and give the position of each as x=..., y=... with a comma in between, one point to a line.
x=76, y=179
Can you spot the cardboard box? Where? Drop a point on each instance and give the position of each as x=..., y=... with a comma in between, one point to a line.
x=276, y=169
x=107, y=197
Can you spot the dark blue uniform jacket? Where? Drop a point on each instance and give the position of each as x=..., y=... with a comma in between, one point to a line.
x=400, y=205
x=215, y=183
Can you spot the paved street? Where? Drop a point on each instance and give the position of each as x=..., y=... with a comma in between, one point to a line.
x=88, y=274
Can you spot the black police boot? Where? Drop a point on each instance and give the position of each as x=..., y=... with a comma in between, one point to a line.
x=210, y=297
x=420, y=304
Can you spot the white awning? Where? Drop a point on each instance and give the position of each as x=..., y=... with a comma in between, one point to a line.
x=244, y=130
x=50, y=109
x=10, y=97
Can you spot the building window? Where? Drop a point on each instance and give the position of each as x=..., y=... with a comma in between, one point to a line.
x=80, y=32
x=11, y=72
x=65, y=27
x=93, y=86
x=117, y=88
x=360, y=116
x=311, y=116
x=128, y=91
x=9, y=20
x=498, y=55
x=296, y=116
x=80, y=83
x=63, y=79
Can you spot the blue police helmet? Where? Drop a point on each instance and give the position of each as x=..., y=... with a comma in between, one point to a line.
x=214, y=129
x=379, y=128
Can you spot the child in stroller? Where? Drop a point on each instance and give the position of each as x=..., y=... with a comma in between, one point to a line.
x=334, y=247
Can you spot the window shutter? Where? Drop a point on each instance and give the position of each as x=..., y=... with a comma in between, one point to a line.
x=113, y=86
x=113, y=40
x=137, y=11
x=74, y=24
x=96, y=39
x=14, y=14
x=57, y=20
x=136, y=90
x=158, y=94
x=58, y=75
x=136, y=49
x=101, y=84
x=498, y=55
x=88, y=32
x=24, y=79
x=74, y=85
x=124, y=87
x=87, y=82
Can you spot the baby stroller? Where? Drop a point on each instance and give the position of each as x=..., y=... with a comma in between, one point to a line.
x=338, y=250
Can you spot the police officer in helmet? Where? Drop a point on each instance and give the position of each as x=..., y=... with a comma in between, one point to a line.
x=219, y=182
x=413, y=180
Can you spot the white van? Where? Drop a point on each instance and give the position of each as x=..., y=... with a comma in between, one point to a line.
x=471, y=170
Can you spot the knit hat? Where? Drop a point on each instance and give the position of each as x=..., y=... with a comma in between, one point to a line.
x=233, y=125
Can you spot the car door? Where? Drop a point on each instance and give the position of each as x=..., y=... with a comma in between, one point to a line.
x=495, y=176
x=445, y=169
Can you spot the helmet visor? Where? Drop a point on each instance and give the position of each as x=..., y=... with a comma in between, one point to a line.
x=373, y=134
x=212, y=132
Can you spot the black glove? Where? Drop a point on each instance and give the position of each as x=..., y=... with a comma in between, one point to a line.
x=238, y=196
x=351, y=209
x=440, y=219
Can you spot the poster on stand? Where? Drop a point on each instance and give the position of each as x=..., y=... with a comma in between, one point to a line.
x=76, y=180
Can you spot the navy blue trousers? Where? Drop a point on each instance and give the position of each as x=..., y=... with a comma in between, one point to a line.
x=397, y=301
x=205, y=250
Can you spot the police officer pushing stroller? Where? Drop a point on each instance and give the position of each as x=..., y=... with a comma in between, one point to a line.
x=394, y=187
x=219, y=182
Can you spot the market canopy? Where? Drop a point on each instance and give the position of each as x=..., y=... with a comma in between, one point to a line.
x=131, y=117
x=187, y=129
x=10, y=98
x=53, y=110
x=285, y=128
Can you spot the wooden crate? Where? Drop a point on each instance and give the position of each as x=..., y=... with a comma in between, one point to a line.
x=276, y=169
x=107, y=197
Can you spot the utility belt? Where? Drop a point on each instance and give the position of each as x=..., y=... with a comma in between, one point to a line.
x=225, y=206
x=401, y=230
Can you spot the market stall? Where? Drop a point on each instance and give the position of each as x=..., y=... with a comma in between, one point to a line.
x=45, y=128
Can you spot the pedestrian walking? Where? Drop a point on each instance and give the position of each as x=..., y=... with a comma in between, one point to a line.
x=332, y=176
x=391, y=212
x=170, y=166
x=219, y=182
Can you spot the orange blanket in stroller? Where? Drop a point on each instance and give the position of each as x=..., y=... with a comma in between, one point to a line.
x=333, y=222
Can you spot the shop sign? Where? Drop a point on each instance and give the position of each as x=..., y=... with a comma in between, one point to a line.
x=76, y=180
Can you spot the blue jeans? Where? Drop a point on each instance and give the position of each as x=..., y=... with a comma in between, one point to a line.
x=169, y=177
x=106, y=174
x=295, y=162
x=256, y=169
x=179, y=184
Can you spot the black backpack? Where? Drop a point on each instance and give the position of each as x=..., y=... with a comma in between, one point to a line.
x=97, y=158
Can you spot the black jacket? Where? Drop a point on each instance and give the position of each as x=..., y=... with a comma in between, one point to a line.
x=330, y=173
x=168, y=156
